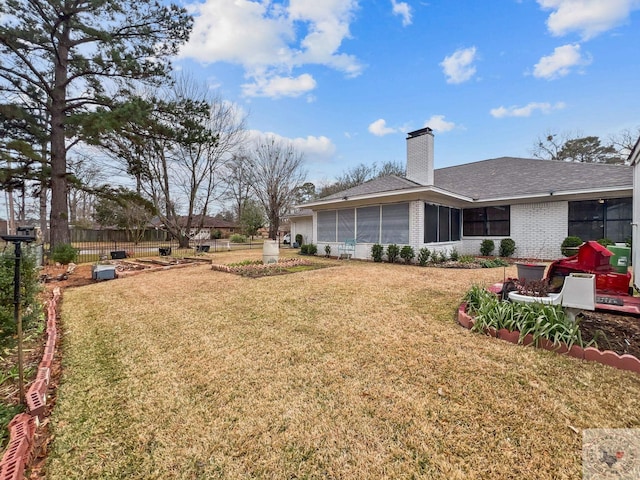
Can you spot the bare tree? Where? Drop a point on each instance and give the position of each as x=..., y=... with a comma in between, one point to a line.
x=238, y=181
x=624, y=141
x=84, y=179
x=549, y=145
x=180, y=163
x=276, y=174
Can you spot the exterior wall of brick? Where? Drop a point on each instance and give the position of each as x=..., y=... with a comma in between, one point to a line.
x=420, y=158
x=416, y=225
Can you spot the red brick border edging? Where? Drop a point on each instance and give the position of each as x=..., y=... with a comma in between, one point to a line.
x=22, y=428
x=606, y=357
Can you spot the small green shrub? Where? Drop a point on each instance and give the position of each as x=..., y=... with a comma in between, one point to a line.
x=377, y=251
x=299, y=239
x=507, y=247
x=327, y=250
x=31, y=305
x=393, y=251
x=605, y=242
x=64, y=253
x=467, y=259
x=308, y=249
x=568, y=246
x=493, y=263
x=423, y=256
x=439, y=257
x=454, y=256
x=407, y=253
x=237, y=238
x=216, y=234
x=487, y=247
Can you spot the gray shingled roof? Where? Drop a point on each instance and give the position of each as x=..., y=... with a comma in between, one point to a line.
x=508, y=177
x=389, y=183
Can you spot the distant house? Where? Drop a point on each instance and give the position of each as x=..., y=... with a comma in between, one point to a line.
x=537, y=203
x=203, y=227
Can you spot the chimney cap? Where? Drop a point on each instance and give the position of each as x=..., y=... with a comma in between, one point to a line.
x=422, y=131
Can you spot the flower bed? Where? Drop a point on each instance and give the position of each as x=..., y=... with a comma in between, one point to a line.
x=256, y=268
x=545, y=334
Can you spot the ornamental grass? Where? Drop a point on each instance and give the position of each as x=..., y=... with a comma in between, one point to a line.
x=353, y=372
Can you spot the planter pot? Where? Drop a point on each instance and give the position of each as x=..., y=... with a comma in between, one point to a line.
x=530, y=271
x=270, y=251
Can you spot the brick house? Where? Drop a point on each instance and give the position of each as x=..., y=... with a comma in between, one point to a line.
x=535, y=202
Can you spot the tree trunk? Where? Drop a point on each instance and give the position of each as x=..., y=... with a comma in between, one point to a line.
x=59, y=204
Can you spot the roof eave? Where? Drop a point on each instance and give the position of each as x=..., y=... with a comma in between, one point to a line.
x=386, y=194
x=634, y=156
x=554, y=195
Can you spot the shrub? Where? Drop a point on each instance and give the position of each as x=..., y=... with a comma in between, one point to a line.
x=454, y=256
x=308, y=249
x=467, y=259
x=423, y=256
x=237, y=238
x=507, y=247
x=568, y=246
x=377, y=251
x=392, y=252
x=605, y=242
x=216, y=234
x=31, y=307
x=64, y=253
x=327, y=250
x=407, y=253
x=493, y=262
x=299, y=239
x=487, y=247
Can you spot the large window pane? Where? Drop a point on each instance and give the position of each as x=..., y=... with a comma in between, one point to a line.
x=395, y=223
x=487, y=221
x=430, y=223
x=327, y=226
x=346, y=224
x=455, y=224
x=443, y=224
x=596, y=219
x=368, y=224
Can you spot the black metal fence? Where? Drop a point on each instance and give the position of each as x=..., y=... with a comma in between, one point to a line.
x=94, y=245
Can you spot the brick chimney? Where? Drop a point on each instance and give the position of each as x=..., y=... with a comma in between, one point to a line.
x=420, y=156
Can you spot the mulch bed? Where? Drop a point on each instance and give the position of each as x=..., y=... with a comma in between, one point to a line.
x=618, y=333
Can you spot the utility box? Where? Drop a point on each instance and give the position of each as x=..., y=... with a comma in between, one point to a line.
x=620, y=260
x=103, y=272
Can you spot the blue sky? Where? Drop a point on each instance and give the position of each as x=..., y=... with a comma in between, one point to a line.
x=345, y=80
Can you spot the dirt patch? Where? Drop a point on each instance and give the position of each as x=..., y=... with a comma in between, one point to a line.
x=618, y=333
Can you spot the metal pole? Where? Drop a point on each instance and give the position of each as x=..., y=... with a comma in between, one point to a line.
x=17, y=317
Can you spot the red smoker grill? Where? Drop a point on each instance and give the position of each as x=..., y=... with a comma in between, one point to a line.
x=613, y=292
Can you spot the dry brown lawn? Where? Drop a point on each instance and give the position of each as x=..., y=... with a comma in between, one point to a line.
x=352, y=372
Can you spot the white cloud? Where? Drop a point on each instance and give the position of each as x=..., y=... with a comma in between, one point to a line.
x=438, y=124
x=269, y=40
x=403, y=10
x=526, y=111
x=276, y=87
x=560, y=62
x=458, y=67
x=379, y=128
x=588, y=17
x=315, y=149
